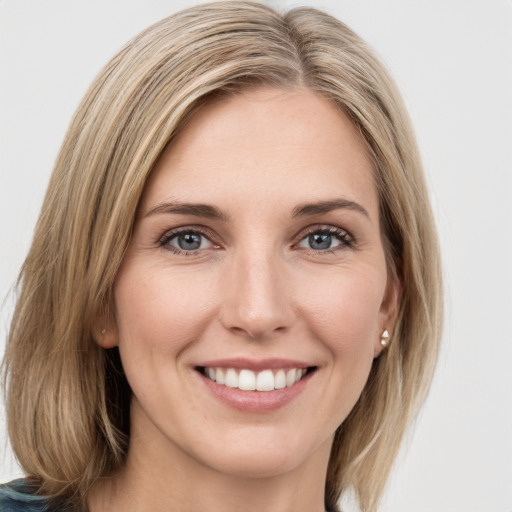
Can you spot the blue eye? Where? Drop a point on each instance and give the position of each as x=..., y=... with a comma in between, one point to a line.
x=189, y=241
x=186, y=241
x=320, y=241
x=323, y=239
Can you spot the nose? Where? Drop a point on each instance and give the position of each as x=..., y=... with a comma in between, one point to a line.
x=256, y=297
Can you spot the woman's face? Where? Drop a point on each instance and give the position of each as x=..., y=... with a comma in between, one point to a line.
x=256, y=261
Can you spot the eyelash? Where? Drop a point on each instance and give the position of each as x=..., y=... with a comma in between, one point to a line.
x=344, y=237
x=169, y=235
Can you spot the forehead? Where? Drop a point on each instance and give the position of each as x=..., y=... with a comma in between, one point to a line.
x=291, y=146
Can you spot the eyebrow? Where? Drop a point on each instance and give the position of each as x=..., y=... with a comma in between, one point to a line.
x=320, y=207
x=212, y=212
x=197, y=209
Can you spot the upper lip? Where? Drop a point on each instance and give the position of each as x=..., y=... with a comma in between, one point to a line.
x=255, y=364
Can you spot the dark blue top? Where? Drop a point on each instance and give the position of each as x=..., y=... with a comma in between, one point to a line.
x=18, y=496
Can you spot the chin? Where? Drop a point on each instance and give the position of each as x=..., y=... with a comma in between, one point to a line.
x=258, y=465
x=264, y=455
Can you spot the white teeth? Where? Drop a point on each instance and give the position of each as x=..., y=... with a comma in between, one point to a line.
x=231, y=378
x=265, y=381
x=247, y=380
x=290, y=377
x=280, y=380
x=219, y=376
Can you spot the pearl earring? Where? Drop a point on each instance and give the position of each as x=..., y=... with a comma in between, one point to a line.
x=384, y=338
x=103, y=331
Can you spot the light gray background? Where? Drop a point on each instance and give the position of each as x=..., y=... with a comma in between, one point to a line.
x=453, y=61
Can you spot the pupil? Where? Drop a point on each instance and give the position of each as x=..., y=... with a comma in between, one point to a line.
x=320, y=241
x=189, y=241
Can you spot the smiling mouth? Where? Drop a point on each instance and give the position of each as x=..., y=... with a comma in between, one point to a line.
x=249, y=380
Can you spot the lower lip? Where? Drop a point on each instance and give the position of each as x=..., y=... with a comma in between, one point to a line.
x=255, y=401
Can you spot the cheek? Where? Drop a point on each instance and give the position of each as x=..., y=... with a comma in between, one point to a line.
x=343, y=312
x=159, y=310
x=159, y=314
x=343, y=316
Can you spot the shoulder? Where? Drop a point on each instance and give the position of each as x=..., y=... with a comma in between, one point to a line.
x=19, y=496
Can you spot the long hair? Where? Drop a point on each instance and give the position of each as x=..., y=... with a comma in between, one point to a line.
x=67, y=398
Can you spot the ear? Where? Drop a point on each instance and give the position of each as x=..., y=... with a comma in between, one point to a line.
x=388, y=314
x=105, y=330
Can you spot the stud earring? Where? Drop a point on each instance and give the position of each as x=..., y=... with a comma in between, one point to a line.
x=384, y=338
x=103, y=331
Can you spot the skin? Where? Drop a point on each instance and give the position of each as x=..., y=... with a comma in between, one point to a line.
x=255, y=289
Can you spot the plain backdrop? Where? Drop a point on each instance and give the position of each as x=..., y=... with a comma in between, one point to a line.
x=452, y=60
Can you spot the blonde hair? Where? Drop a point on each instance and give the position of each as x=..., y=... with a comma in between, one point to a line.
x=67, y=399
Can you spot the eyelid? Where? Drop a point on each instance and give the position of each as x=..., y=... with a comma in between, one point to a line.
x=345, y=237
x=163, y=240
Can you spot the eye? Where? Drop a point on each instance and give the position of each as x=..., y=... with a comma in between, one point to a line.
x=186, y=241
x=325, y=239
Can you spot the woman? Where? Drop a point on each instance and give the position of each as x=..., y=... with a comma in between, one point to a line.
x=226, y=305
